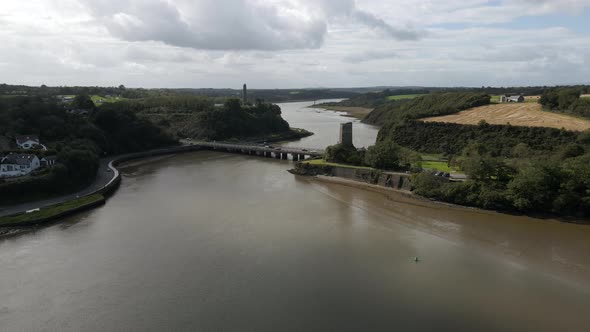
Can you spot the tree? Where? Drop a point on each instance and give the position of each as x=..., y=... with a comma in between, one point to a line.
x=383, y=155
x=83, y=102
x=81, y=165
x=567, y=97
x=233, y=105
x=533, y=188
x=486, y=168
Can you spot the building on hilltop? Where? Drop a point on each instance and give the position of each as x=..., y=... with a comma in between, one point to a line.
x=346, y=134
x=14, y=165
x=27, y=142
x=512, y=98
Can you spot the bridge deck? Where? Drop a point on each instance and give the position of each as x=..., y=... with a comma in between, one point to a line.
x=259, y=148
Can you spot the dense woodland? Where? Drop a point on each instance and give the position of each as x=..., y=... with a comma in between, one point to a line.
x=425, y=106
x=567, y=100
x=198, y=117
x=79, y=141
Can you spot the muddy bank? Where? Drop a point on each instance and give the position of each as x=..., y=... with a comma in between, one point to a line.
x=353, y=112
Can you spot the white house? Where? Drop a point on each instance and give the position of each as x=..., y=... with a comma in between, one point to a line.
x=18, y=164
x=512, y=99
x=27, y=142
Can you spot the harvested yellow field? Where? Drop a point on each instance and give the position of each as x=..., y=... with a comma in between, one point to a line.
x=522, y=114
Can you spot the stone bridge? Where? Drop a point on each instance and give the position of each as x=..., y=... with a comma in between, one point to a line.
x=268, y=151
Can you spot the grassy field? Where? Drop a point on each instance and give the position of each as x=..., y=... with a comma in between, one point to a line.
x=517, y=114
x=585, y=96
x=96, y=99
x=400, y=97
x=51, y=211
x=321, y=162
x=438, y=166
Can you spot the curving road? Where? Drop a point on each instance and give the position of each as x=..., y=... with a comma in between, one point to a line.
x=104, y=175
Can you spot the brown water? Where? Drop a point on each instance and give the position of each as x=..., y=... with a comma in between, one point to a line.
x=216, y=242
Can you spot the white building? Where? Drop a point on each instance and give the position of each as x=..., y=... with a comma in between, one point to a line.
x=512, y=99
x=18, y=164
x=27, y=142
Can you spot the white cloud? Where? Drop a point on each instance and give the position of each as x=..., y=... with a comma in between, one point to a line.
x=288, y=43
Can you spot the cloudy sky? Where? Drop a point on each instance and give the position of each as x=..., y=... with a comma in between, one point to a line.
x=294, y=43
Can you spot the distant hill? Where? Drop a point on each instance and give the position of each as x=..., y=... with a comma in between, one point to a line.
x=426, y=106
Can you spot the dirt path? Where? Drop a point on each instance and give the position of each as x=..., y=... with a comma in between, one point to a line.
x=522, y=114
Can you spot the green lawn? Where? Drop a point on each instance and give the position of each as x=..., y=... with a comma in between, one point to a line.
x=97, y=98
x=400, y=97
x=495, y=99
x=51, y=211
x=321, y=162
x=438, y=165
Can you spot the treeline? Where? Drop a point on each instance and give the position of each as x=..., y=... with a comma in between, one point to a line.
x=567, y=100
x=163, y=104
x=219, y=95
x=79, y=142
x=198, y=117
x=375, y=99
x=234, y=120
x=451, y=139
x=47, y=91
x=385, y=155
x=426, y=106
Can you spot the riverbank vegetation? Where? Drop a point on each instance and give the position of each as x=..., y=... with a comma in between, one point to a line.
x=523, y=169
x=509, y=168
x=47, y=213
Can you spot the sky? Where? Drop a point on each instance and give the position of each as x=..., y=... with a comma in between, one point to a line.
x=294, y=43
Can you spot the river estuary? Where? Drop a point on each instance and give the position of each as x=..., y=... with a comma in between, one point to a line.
x=218, y=242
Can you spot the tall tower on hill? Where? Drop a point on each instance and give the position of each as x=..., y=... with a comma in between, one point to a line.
x=245, y=94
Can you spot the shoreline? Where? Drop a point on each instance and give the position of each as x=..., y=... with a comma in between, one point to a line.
x=481, y=236
x=112, y=185
x=351, y=112
x=427, y=202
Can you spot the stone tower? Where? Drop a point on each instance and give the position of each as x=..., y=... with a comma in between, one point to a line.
x=346, y=134
x=245, y=94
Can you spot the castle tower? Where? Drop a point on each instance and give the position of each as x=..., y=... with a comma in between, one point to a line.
x=346, y=134
x=245, y=94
